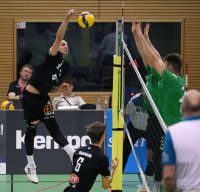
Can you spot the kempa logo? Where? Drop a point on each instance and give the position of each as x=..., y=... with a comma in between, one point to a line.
x=47, y=142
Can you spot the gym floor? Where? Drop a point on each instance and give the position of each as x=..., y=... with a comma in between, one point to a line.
x=57, y=183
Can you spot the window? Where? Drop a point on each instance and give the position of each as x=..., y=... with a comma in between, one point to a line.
x=90, y=54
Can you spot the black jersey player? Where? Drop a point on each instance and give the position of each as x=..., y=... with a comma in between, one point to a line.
x=89, y=161
x=36, y=101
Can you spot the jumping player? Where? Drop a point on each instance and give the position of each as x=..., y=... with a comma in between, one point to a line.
x=36, y=101
x=89, y=161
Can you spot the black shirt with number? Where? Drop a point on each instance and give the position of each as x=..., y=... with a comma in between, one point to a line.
x=88, y=162
x=49, y=74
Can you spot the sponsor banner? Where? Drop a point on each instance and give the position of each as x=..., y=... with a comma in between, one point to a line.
x=140, y=148
x=3, y=168
x=2, y=142
x=50, y=158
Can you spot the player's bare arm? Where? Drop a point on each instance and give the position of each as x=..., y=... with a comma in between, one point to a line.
x=61, y=32
x=146, y=30
x=12, y=95
x=136, y=30
x=145, y=51
x=169, y=178
x=146, y=36
x=107, y=181
x=59, y=88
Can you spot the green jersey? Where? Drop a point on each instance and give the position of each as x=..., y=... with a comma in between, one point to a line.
x=170, y=91
x=152, y=79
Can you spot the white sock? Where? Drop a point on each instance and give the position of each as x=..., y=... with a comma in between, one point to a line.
x=70, y=151
x=30, y=160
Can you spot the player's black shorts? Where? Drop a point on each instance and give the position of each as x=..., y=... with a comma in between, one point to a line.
x=36, y=107
x=155, y=132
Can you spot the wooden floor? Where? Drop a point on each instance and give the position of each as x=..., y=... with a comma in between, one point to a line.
x=57, y=183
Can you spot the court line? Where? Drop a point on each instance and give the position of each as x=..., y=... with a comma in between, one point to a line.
x=12, y=183
x=50, y=187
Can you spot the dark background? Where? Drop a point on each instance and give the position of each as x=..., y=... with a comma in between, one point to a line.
x=84, y=57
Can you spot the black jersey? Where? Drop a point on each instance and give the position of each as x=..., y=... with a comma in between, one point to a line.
x=15, y=87
x=88, y=162
x=49, y=74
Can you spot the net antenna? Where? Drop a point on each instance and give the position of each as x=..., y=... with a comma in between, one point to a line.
x=160, y=119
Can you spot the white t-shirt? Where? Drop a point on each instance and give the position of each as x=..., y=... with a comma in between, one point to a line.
x=134, y=109
x=67, y=101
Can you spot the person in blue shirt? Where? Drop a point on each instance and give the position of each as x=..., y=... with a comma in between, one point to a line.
x=181, y=154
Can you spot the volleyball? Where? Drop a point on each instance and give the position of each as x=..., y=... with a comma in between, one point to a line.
x=86, y=19
x=7, y=105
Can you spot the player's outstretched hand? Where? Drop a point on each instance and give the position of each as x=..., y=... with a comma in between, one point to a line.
x=70, y=13
x=135, y=26
x=115, y=163
x=146, y=31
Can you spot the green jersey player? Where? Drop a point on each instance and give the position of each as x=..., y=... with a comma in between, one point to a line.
x=166, y=93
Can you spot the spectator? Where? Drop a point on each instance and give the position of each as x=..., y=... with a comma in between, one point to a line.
x=67, y=99
x=181, y=154
x=16, y=87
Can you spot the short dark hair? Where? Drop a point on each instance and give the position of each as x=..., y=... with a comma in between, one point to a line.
x=69, y=80
x=95, y=131
x=175, y=60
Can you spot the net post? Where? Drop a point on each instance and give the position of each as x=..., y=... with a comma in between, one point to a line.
x=117, y=105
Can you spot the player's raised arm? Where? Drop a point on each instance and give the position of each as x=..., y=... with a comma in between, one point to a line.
x=137, y=33
x=61, y=32
x=145, y=50
x=146, y=36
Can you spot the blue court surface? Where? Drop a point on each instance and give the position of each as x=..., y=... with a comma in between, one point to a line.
x=57, y=183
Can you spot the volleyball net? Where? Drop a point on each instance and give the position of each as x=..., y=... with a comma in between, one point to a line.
x=130, y=116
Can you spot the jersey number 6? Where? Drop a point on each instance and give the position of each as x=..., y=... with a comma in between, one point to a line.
x=78, y=164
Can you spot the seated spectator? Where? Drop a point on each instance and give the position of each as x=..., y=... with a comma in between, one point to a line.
x=67, y=99
x=16, y=87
